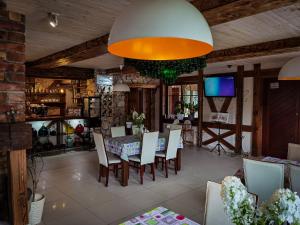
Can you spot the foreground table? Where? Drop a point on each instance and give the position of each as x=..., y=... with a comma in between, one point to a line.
x=131, y=145
x=160, y=216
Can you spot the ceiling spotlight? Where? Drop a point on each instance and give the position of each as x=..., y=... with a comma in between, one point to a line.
x=53, y=19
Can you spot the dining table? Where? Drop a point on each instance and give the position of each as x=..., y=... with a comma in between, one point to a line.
x=130, y=145
x=160, y=216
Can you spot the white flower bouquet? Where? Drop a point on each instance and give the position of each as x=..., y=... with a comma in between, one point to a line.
x=138, y=119
x=284, y=206
x=240, y=206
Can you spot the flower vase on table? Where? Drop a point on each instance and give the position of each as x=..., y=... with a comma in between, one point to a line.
x=138, y=123
x=138, y=131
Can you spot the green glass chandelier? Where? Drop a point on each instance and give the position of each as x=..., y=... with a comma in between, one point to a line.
x=167, y=70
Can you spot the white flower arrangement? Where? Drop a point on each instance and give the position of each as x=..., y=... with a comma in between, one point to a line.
x=283, y=206
x=240, y=206
x=138, y=119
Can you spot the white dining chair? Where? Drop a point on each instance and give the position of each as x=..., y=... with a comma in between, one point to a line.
x=105, y=160
x=293, y=152
x=263, y=178
x=175, y=127
x=118, y=131
x=214, y=207
x=176, y=121
x=147, y=157
x=171, y=152
x=295, y=178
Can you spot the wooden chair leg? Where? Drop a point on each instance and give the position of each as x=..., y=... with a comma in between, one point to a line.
x=152, y=168
x=156, y=162
x=162, y=163
x=100, y=173
x=117, y=171
x=153, y=171
x=142, y=173
x=107, y=175
x=175, y=164
x=166, y=167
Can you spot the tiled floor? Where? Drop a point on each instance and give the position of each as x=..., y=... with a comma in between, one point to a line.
x=74, y=196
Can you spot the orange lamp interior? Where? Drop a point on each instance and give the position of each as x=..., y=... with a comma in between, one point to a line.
x=158, y=48
x=289, y=78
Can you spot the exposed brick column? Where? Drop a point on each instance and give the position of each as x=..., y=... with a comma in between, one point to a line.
x=12, y=68
x=12, y=96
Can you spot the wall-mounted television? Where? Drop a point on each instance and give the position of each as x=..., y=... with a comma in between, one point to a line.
x=219, y=86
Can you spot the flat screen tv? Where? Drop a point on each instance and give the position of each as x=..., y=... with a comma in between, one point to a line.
x=219, y=86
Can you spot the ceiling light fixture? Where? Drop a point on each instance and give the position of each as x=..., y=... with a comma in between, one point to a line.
x=160, y=30
x=291, y=70
x=53, y=19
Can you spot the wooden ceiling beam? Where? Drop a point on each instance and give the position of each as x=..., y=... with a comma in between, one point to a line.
x=215, y=11
x=83, y=51
x=218, y=11
x=65, y=72
x=256, y=50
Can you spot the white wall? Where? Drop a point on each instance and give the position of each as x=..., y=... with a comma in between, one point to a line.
x=247, y=115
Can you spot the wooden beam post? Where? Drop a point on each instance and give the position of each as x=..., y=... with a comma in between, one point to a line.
x=239, y=108
x=200, y=108
x=257, y=119
x=18, y=186
x=166, y=100
x=161, y=122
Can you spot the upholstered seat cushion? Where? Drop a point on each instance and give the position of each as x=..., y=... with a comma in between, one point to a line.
x=135, y=158
x=160, y=154
x=112, y=159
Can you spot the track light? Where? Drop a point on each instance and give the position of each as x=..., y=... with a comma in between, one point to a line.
x=53, y=19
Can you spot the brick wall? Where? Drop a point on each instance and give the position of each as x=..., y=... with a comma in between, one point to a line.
x=12, y=68
x=12, y=75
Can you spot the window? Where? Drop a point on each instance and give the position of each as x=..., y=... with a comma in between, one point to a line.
x=183, y=99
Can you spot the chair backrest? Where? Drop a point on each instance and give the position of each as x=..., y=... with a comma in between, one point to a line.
x=173, y=143
x=100, y=147
x=293, y=152
x=175, y=127
x=149, y=145
x=214, y=206
x=263, y=178
x=187, y=124
x=118, y=131
x=295, y=178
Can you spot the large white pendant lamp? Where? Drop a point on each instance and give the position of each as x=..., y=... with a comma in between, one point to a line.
x=160, y=30
x=291, y=70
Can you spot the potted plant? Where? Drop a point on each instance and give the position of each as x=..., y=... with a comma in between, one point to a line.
x=37, y=200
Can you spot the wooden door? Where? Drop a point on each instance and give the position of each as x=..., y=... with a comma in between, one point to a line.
x=135, y=100
x=143, y=100
x=281, y=116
